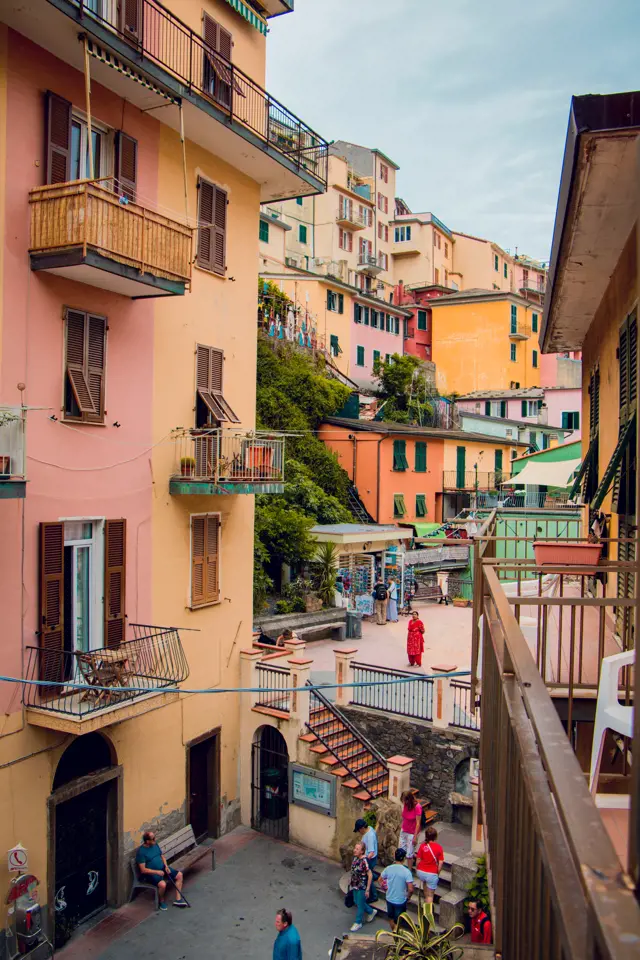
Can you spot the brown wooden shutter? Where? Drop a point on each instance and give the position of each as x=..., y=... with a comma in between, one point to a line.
x=212, y=565
x=206, y=202
x=57, y=138
x=216, y=370
x=51, y=626
x=203, y=366
x=130, y=20
x=220, y=231
x=76, y=360
x=126, y=164
x=209, y=382
x=96, y=357
x=198, y=538
x=225, y=43
x=115, y=549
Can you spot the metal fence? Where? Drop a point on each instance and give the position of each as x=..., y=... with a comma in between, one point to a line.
x=274, y=687
x=230, y=456
x=470, y=480
x=466, y=714
x=412, y=697
x=161, y=37
x=152, y=659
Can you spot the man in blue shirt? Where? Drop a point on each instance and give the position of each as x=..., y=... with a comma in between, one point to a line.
x=287, y=945
x=399, y=886
x=153, y=868
x=370, y=840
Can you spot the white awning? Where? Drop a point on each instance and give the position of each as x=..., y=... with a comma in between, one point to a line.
x=556, y=473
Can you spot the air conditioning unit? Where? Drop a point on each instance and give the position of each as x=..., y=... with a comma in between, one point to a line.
x=291, y=262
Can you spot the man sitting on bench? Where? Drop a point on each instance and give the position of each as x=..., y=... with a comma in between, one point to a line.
x=153, y=868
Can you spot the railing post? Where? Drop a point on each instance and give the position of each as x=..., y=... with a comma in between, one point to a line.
x=399, y=776
x=296, y=646
x=249, y=660
x=299, y=702
x=443, y=699
x=344, y=674
x=477, y=828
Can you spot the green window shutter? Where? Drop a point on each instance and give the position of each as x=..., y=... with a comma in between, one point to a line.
x=514, y=318
x=495, y=261
x=524, y=408
x=302, y=233
x=498, y=460
x=399, y=509
x=400, y=455
x=334, y=345
x=329, y=300
x=535, y=358
x=421, y=505
x=360, y=356
x=540, y=404
x=422, y=319
x=357, y=313
x=420, y=464
x=487, y=408
x=534, y=322
x=565, y=421
x=376, y=357
x=387, y=358
x=264, y=231
x=505, y=270
x=503, y=408
x=461, y=454
x=299, y=201
x=533, y=439
x=514, y=355
x=340, y=303
x=545, y=441
x=365, y=311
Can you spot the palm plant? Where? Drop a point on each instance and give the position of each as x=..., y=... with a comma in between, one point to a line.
x=419, y=940
x=326, y=564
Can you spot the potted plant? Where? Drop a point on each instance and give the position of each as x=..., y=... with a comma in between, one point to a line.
x=420, y=940
x=460, y=601
x=573, y=553
x=187, y=466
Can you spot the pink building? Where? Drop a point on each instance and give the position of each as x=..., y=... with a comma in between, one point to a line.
x=561, y=369
x=378, y=333
x=544, y=406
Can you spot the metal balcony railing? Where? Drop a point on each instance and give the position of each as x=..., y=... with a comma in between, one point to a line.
x=274, y=685
x=470, y=480
x=12, y=444
x=162, y=38
x=229, y=456
x=80, y=683
x=519, y=330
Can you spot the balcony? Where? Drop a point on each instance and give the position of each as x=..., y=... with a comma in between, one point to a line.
x=543, y=638
x=519, y=330
x=156, y=60
x=370, y=265
x=352, y=221
x=221, y=461
x=78, y=692
x=13, y=481
x=405, y=248
x=273, y=8
x=82, y=231
x=472, y=481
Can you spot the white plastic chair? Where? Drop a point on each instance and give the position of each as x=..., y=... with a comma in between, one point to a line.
x=610, y=713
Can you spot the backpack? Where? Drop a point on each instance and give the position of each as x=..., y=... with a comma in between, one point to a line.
x=381, y=592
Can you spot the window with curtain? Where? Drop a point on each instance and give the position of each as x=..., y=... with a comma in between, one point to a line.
x=400, y=455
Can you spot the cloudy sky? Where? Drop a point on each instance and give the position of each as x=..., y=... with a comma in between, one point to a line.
x=469, y=97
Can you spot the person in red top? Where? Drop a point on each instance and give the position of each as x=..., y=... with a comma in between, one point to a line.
x=429, y=862
x=480, y=924
x=415, y=640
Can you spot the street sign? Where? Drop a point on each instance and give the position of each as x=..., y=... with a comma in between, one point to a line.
x=17, y=859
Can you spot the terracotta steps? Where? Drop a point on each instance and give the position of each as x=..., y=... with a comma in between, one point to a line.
x=340, y=750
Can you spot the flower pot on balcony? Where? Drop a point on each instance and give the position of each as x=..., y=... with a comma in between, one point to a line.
x=187, y=466
x=567, y=553
x=5, y=467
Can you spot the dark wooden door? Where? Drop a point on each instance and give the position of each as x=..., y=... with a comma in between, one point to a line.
x=204, y=787
x=81, y=855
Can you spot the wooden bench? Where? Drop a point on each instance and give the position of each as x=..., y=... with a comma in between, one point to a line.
x=181, y=851
x=432, y=593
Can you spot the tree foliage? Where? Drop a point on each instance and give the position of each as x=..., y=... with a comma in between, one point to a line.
x=403, y=386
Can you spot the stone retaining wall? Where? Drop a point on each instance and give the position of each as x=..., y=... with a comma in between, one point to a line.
x=436, y=752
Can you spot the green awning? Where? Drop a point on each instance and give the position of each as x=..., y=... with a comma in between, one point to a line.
x=249, y=15
x=587, y=464
x=426, y=529
x=609, y=476
x=399, y=508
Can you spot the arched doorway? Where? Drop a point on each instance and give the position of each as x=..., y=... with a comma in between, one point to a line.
x=83, y=820
x=270, y=783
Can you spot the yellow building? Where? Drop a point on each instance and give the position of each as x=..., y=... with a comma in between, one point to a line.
x=423, y=251
x=481, y=264
x=136, y=177
x=485, y=340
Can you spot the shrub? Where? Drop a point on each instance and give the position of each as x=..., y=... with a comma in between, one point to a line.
x=283, y=606
x=479, y=889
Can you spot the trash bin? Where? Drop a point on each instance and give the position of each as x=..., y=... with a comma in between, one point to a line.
x=354, y=625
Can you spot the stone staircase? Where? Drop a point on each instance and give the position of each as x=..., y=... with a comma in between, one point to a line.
x=344, y=751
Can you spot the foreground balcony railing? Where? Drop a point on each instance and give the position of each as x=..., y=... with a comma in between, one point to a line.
x=368, y=263
x=558, y=887
x=82, y=229
x=12, y=453
x=152, y=659
x=221, y=456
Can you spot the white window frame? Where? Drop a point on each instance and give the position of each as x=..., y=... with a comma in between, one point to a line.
x=107, y=146
x=96, y=577
x=107, y=14
x=532, y=404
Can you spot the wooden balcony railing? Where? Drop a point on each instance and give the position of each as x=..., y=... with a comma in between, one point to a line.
x=557, y=885
x=86, y=214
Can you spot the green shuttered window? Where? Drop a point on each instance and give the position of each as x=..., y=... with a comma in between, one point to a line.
x=400, y=455
x=421, y=505
x=420, y=464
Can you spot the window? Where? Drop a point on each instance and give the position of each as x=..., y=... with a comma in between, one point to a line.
x=374, y=318
x=360, y=356
x=533, y=439
x=80, y=149
x=299, y=201
x=545, y=441
x=497, y=465
x=534, y=358
x=436, y=275
x=211, y=406
x=384, y=261
x=571, y=420
x=217, y=79
x=85, y=363
x=534, y=322
x=357, y=313
x=399, y=508
x=302, y=233
x=264, y=231
x=365, y=316
x=386, y=234
x=496, y=262
x=335, y=301
x=420, y=461
x=376, y=359
x=334, y=346
x=439, y=241
x=212, y=227
x=346, y=208
x=506, y=271
x=422, y=319
x=205, y=559
x=384, y=172
x=383, y=203
x=396, y=326
x=380, y=229
x=446, y=249
x=402, y=233
x=387, y=358
x=514, y=318
x=421, y=505
x=529, y=408
x=514, y=352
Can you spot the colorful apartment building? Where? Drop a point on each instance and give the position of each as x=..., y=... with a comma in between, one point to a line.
x=484, y=340
x=481, y=264
x=422, y=251
x=554, y=410
x=131, y=353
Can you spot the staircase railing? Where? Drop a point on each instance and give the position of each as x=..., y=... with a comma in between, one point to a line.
x=317, y=700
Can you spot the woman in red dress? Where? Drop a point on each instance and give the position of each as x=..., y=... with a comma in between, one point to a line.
x=415, y=640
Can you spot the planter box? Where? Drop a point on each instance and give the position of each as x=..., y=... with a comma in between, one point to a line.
x=461, y=603
x=567, y=553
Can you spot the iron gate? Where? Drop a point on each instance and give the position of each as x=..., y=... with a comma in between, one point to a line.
x=270, y=785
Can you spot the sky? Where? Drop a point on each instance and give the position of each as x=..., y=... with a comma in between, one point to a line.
x=469, y=97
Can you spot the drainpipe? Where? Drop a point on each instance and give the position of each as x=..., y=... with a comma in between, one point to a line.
x=352, y=437
x=378, y=484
